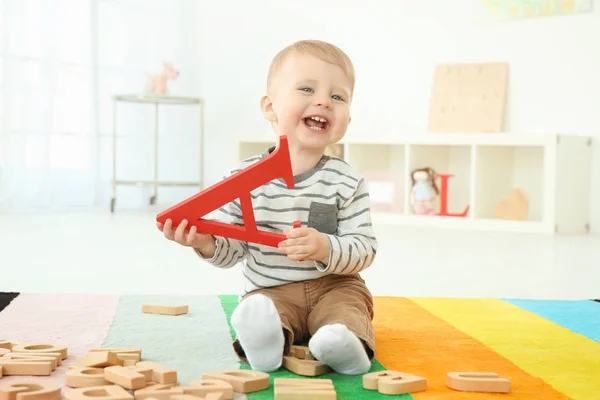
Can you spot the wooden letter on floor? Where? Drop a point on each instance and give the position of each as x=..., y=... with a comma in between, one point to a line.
x=300, y=389
x=488, y=382
x=30, y=391
x=301, y=362
x=394, y=382
x=242, y=381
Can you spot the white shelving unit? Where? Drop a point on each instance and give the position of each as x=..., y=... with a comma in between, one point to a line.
x=553, y=169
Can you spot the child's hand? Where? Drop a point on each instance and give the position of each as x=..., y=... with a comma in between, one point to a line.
x=305, y=244
x=190, y=238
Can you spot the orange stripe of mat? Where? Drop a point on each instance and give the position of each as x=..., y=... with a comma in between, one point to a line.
x=412, y=340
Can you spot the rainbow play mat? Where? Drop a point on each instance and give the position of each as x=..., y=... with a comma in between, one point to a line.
x=547, y=349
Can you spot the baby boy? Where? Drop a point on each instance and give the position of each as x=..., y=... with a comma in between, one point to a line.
x=309, y=288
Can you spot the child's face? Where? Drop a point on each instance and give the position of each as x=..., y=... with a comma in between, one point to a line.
x=309, y=101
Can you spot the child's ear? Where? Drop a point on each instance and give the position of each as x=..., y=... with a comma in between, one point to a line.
x=266, y=105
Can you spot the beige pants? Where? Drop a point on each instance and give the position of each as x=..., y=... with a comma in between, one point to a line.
x=306, y=306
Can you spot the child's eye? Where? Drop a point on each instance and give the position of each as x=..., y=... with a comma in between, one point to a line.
x=306, y=89
x=336, y=97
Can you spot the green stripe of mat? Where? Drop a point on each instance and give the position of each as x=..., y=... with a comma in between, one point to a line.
x=191, y=344
x=347, y=387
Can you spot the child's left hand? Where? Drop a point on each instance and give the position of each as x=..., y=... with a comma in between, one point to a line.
x=305, y=244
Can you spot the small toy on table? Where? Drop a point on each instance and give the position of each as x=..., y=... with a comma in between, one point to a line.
x=424, y=190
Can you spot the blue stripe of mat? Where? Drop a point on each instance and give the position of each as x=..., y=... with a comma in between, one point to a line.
x=191, y=344
x=579, y=316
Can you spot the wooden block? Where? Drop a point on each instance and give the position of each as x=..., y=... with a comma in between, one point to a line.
x=305, y=367
x=158, y=392
x=112, y=392
x=30, y=391
x=488, y=382
x=99, y=359
x=299, y=389
x=394, y=382
x=40, y=348
x=242, y=381
x=57, y=356
x=160, y=373
x=164, y=310
x=31, y=358
x=125, y=377
x=201, y=387
x=85, y=377
x=20, y=367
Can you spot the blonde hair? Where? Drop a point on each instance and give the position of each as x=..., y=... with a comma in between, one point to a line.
x=322, y=50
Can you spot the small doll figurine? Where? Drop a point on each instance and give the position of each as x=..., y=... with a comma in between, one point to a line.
x=424, y=190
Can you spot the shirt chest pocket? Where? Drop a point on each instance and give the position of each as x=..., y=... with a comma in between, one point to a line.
x=323, y=217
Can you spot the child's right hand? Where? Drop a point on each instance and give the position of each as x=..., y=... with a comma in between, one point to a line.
x=189, y=238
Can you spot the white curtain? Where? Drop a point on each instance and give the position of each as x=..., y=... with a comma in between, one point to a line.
x=61, y=61
x=47, y=125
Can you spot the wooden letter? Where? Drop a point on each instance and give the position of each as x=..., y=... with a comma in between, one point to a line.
x=99, y=359
x=297, y=389
x=56, y=356
x=22, y=367
x=209, y=396
x=160, y=373
x=242, y=381
x=30, y=391
x=113, y=392
x=31, y=358
x=394, y=382
x=158, y=392
x=125, y=377
x=488, y=382
x=85, y=377
x=40, y=348
x=164, y=310
x=200, y=387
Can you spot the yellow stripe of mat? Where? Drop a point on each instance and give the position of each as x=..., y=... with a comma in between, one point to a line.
x=412, y=340
x=566, y=360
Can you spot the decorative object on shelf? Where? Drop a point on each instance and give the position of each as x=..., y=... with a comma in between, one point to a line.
x=444, y=198
x=386, y=190
x=516, y=207
x=157, y=84
x=468, y=98
x=423, y=191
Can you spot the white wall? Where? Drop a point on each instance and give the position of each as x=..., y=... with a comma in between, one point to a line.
x=554, y=65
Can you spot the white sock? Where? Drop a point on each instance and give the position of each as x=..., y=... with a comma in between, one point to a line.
x=339, y=348
x=258, y=327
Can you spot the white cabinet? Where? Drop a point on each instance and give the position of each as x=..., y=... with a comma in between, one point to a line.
x=553, y=170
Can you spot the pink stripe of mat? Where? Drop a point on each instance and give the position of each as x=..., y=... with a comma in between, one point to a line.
x=80, y=322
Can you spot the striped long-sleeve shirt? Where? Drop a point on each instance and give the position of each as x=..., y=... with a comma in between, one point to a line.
x=332, y=198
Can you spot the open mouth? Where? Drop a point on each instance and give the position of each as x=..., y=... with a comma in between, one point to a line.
x=316, y=123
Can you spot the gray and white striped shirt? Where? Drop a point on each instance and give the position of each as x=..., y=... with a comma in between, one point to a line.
x=332, y=198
